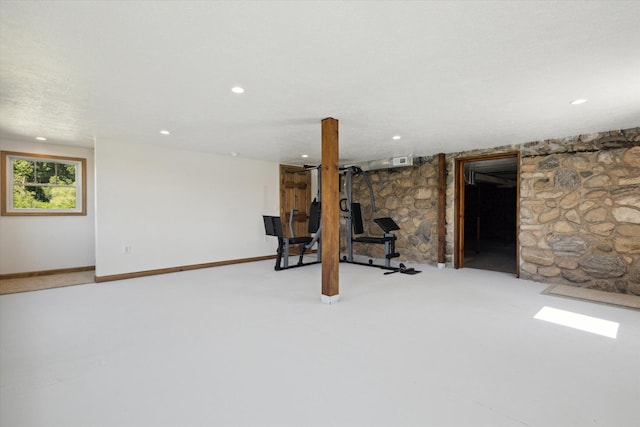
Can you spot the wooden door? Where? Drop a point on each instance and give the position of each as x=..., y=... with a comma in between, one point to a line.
x=295, y=193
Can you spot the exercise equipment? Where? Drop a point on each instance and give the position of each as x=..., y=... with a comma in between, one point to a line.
x=355, y=226
x=352, y=211
x=404, y=270
x=273, y=227
x=388, y=240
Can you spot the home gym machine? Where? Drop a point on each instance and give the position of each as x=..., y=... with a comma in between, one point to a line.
x=273, y=227
x=353, y=213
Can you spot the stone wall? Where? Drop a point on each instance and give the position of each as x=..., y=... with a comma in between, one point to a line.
x=408, y=195
x=580, y=211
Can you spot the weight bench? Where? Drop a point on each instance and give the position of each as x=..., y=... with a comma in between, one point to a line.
x=388, y=240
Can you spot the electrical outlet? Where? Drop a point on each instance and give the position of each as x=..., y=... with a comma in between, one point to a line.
x=126, y=249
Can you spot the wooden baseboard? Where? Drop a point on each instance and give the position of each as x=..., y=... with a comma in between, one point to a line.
x=46, y=272
x=135, y=274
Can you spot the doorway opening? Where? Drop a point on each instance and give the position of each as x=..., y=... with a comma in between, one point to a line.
x=487, y=212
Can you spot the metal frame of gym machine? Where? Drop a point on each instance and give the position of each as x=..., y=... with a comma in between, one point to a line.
x=386, y=224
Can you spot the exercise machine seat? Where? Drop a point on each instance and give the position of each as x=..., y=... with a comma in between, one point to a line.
x=273, y=227
x=388, y=240
x=371, y=239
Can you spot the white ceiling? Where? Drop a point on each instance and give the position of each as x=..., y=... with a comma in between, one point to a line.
x=446, y=76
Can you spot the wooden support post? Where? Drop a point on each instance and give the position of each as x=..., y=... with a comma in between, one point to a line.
x=330, y=211
x=442, y=190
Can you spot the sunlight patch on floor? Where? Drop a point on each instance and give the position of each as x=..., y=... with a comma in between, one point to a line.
x=594, y=325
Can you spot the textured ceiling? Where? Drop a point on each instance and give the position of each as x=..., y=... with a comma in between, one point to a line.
x=446, y=76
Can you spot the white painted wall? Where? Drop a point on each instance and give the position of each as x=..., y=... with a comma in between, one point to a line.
x=176, y=208
x=37, y=243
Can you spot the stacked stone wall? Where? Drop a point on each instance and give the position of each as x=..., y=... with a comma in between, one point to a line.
x=580, y=211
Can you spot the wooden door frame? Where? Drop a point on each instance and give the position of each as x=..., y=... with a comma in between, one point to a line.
x=458, y=253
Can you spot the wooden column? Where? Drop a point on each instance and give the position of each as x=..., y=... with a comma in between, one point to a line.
x=330, y=211
x=442, y=190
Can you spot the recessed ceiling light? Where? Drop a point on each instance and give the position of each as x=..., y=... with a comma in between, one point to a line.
x=578, y=101
x=397, y=137
x=304, y=156
x=237, y=89
x=234, y=154
x=41, y=138
x=165, y=132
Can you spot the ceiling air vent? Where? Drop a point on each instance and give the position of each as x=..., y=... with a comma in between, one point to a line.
x=402, y=161
x=389, y=163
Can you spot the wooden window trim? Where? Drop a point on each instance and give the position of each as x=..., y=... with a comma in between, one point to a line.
x=4, y=209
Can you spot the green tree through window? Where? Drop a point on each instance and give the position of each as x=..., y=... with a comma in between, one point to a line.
x=43, y=185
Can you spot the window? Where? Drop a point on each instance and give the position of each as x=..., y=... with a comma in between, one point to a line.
x=35, y=184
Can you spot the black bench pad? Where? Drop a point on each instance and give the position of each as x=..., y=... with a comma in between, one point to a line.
x=378, y=240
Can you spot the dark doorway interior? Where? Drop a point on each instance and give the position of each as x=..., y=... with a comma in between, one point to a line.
x=490, y=215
